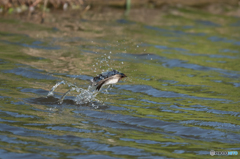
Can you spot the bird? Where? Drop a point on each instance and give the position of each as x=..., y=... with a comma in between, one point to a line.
x=106, y=78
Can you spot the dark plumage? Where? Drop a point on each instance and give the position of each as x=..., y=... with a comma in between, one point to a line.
x=111, y=77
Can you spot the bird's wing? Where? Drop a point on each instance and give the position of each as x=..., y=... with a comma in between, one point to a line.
x=99, y=86
x=101, y=83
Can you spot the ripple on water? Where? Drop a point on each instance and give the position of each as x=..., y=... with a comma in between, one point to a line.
x=35, y=91
x=3, y=97
x=65, y=128
x=159, y=93
x=205, y=109
x=17, y=115
x=217, y=125
x=163, y=127
x=168, y=81
x=88, y=51
x=236, y=84
x=82, y=77
x=236, y=24
x=21, y=131
x=211, y=55
x=118, y=150
x=124, y=21
x=169, y=48
x=91, y=157
x=11, y=140
x=34, y=45
x=173, y=33
x=3, y=61
x=7, y=154
x=225, y=40
x=149, y=101
x=30, y=73
x=207, y=23
x=164, y=144
x=229, y=50
x=178, y=151
x=171, y=63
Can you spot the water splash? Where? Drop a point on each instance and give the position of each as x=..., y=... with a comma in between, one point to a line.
x=85, y=96
x=88, y=96
x=50, y=93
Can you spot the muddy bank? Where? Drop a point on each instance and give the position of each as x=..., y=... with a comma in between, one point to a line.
x=118, y=3
x=8, y=7
x=157, y=3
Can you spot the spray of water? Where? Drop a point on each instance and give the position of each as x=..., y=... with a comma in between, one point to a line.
x=85, y=96
x=50, y=93
x=88, y=95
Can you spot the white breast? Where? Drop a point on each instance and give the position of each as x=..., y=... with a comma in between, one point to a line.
x=112, y=81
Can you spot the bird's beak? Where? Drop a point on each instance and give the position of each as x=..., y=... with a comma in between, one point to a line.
x=124, y=76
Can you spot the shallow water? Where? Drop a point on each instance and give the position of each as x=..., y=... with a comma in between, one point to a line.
x=180, y=100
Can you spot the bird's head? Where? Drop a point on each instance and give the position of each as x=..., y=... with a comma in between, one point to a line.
x=123, y=75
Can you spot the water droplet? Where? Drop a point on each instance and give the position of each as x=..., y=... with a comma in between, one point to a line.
x=137, y=46
x=122, y=62
x=109, y=57
x=110, y=52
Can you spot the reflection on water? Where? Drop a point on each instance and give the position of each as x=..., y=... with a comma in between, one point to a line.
x=180, y=100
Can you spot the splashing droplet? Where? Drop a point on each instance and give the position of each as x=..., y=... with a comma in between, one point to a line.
x=50, y=93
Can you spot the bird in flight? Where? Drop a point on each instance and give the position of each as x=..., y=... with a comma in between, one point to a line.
x=106, y=78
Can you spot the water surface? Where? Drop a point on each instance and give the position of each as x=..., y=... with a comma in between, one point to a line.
x=180, y=100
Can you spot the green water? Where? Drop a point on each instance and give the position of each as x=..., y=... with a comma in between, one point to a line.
x=180, y=100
